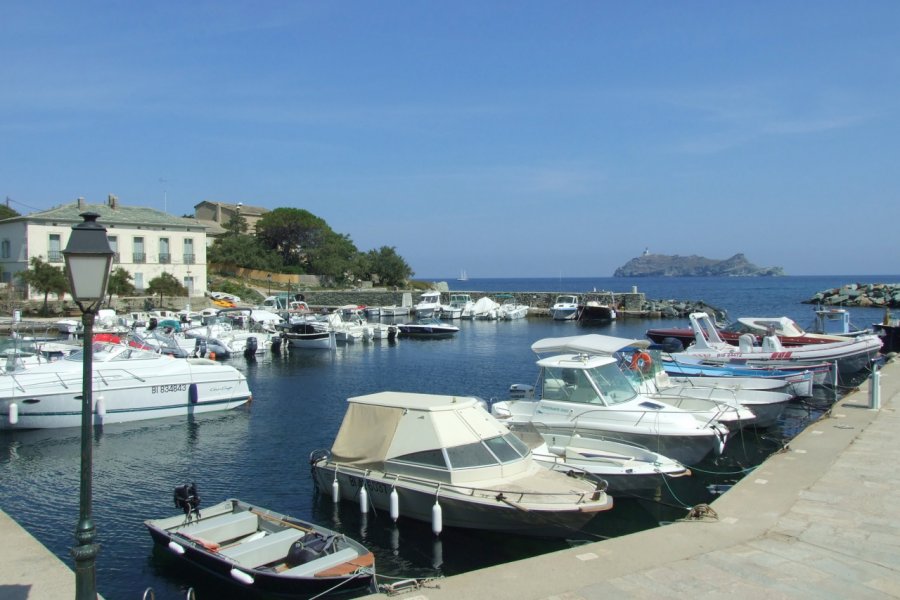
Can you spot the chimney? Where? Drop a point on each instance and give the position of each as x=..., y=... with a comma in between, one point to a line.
x=113, y=201
x=81, y=203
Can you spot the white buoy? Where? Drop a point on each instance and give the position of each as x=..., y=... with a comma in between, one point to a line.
x=395, y=505
x=100, y=407
x=13, y=413
x=335, y=491
x=242, y=576
x=437, y=518
x=363, y=500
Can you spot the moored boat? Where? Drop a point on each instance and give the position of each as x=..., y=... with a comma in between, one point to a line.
x=261, y=551
x=444, y=460
x=130, y=384
x=427, y=328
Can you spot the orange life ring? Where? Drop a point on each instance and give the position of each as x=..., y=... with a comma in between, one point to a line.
x=641, y=361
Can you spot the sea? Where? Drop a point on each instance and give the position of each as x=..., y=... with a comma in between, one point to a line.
x=260, y=453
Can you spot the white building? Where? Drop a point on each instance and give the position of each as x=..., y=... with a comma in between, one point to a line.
x=147, y=242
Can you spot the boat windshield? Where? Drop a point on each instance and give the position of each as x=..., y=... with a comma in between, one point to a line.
x=489, y=452
x=605, y=384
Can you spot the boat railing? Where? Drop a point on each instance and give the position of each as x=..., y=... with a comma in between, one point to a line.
x=641, y=416
x=510, y=496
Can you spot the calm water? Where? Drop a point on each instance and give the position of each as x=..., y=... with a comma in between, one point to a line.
x=260, y=453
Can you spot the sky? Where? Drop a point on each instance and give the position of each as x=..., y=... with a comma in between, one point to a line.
x=506, y=139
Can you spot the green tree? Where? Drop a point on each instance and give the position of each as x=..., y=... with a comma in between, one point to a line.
x=166, y=285
x=243, y=251
x=293, y=233
x=46, y=279
x=334, y=259
x=7, y=213
x=386, y=266
x=237, y=224
x=120, y=283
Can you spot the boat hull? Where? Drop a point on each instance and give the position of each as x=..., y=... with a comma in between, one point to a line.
x=123, y=397
x=258, y=580
x=457, y=509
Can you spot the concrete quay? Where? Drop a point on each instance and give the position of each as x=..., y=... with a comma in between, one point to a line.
x=819, y=520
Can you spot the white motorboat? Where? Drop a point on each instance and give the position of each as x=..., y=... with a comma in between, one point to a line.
x=730, y=405
x=565, y=308
x=850, y=355
x=510, y=309
x=590, y=395
x=485, y=309
x=465, y=305
x=449, y=311
x=625, y=467
x=260, y=551
x=129, y=384
x=429, y=305
x=446, y=461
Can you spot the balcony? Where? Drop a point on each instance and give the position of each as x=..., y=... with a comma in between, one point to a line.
x=116, y=258
x=54, y=256
x=188, y=259
x=139, y=258
x=165, y=258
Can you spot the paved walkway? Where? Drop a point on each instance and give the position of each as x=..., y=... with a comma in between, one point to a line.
x=819, y=520
x=27, y=569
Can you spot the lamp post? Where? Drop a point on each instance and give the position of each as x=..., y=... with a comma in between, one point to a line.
x=269, y=277
x=88, y=259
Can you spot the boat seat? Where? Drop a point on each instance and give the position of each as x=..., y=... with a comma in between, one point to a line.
x=771, y=343
x=223, y=527
x=322, y=563
x=746, y=342
x=264, y=550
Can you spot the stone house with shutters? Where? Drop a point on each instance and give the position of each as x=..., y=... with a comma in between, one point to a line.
x=146, y=242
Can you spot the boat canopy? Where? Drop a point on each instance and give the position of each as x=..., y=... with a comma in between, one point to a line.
x=589, y=344
x=378, y=427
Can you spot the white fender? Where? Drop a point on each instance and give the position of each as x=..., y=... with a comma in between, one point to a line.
x=100, y=407
x=395, y=505
x=242, y=576
x=335, y=491
x=363, y=500
x=13, y=413
x=176, y=548
x=437, y=518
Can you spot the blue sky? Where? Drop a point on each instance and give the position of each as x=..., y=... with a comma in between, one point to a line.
x=509, y=139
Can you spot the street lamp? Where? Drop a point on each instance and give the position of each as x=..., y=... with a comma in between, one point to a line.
x=269, y=277
x=88, y=259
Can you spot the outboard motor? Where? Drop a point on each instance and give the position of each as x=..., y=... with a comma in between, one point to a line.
x=251, y=347
x=200, y=347
x=672, y=345
x=187, y=499
x=152, y=324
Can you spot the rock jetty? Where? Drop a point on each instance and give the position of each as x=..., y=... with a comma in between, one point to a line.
x=874, y=295
x=661, y=265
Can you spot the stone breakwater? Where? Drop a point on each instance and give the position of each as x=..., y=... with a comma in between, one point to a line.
x=873, y=295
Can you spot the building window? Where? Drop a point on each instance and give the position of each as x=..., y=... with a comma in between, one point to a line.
x=164, y=256
x=188, y=251
x=139, y=282
x=54, y=254
x=114, y=245
x=189, y=284
x=139, y=255
x=4, y=249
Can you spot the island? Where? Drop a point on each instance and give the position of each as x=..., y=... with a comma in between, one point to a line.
x=661, y=265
